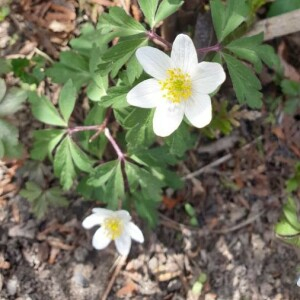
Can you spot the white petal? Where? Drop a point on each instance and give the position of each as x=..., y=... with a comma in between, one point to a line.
x=145, y=95
x=91, y=221
x=154, y=61
x=167, y=118
x=184, y=54
x=198, y=110
x=102, y=211
x=100, y=239
x=123, y=215
x=123, y=244
x=207, y=77
x=135, y=233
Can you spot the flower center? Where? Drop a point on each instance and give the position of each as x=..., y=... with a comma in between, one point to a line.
x=177, y=87
x=113, y=227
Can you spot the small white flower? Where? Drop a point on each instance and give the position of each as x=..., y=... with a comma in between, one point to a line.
x=116, y=226
x=181, y=86
x=298, y=281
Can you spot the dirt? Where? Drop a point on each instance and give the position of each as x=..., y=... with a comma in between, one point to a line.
x=232, y=254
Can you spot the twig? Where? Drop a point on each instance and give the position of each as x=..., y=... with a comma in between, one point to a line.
x=119, y=152
x=277, y=26
x=218, y=161
x=155, y=37
x=241, y=225
x=103, y=125
x=118, y=268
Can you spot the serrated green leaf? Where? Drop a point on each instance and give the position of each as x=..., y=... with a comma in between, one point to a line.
x=133, y=70
x=101, y=174
x=44, y=143
x=140, y=133
x=116, y=97
x=63, y=165
x=67, y=99
x=149, y=8
x=180, y=140
x=12, y=101
x=125, y=47
x=9, y=137
x=227, y=18
x=115, y=191
x=166, y=8
x=245, y=82
x=80, y=159
x=251, y=49
x=54, y=197
x=44, y=111
x=31, y=192
x=118, y=21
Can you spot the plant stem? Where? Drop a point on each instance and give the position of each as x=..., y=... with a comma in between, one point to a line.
x=154, y=36
x=98, y=128
x=217, y=47
x=119, y=152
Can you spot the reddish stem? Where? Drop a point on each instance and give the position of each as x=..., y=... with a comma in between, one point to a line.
x=154, y=36
x=119, y=152
x=215, y=48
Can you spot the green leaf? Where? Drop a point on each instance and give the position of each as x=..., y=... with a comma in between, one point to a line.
x=166, y=8
x=9, y=138
x=245, y=83
x=42, y=199
x=290, y=213
x=252, y=50
x=80, y=159
x=227, y=18
x=284, y=228
x=140, y=124
x=116, y=97
x=68, y=155
x=283, y=6
x=63, y=165
x=118, y=21
x=44, y=143
x=2, y=89
x=5, y=66
x=12, y=101
x=44, y=111
x=31, y=192
x=149, y=8
x=67, y=99
x=115, y=188
x=123, y=51
x=290, y=87
x=180, y=141
x=100, y=175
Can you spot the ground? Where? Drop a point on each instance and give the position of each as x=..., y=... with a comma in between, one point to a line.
x=237, y=191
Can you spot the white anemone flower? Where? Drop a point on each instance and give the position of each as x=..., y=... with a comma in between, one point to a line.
x=115, y=226
x=180, y=86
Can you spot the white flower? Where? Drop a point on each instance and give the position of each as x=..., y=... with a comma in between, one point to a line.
x=181, y=86
x=116, y=226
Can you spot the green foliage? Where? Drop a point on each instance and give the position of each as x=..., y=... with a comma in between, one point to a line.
x=149, y=8
x=41, y=199
x=11, y=101
x=283, y=6
x=67, y=158
x=227, y=20
x=291, y=89
x=288, y=228
x=293, y=183
x=189, y=209
x=167, y=8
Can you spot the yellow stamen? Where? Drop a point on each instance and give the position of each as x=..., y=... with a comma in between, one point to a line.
x=177, y=86
x=113, y=227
